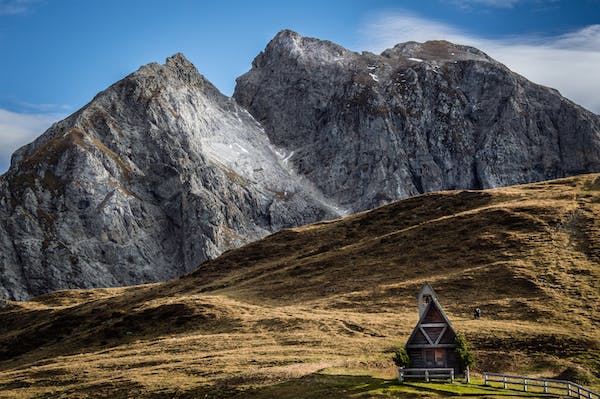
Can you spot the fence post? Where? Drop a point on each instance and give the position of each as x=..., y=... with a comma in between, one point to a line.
x=504, y=384
x=578, y=391
x=452, y=376
x=401, y=374
x=426, y=375
x=468, y=375
x=525, y=384
x=485, y=381
x=545, y=386
x=568, y=389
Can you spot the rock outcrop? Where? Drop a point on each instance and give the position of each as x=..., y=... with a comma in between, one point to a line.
x=368, y=129
x=155, y=175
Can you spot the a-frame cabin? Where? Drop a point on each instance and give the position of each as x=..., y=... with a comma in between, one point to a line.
x=432, y=342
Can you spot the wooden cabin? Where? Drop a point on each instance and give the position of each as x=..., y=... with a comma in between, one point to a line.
x=432, y=342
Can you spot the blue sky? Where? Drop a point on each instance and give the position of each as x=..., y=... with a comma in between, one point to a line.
x=57, y=54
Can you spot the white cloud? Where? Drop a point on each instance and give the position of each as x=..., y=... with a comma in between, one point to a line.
x=19, y=129
x=44, y=108
x=468, y=4
x=567, y=62
x=14, y=7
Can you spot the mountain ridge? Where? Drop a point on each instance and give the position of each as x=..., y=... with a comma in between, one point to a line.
x=161, y=172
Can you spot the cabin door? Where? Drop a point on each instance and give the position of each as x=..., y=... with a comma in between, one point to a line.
x=435, y=358
x=440, y=357
x=429, y=357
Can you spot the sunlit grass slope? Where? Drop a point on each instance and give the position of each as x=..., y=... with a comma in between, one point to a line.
x=318, y=309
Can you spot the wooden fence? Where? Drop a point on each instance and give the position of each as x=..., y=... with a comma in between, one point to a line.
x=425, y=374
x=561, y=387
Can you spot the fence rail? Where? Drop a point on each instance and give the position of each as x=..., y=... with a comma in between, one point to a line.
x=549, y=385
x=425, y=374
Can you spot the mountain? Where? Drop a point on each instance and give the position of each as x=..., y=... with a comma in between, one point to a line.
x=315, y=311
x=420, y=117
x=161, y=172
x=155, y=175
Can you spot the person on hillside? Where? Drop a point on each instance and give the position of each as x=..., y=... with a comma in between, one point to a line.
x=477, y=313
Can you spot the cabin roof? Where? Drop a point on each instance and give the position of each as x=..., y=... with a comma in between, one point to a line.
x=433, y=304
x=427, y=289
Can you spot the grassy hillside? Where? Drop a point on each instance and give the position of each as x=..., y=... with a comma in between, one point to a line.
x=317, y=310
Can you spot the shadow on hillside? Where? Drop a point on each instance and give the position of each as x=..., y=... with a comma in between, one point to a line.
x=97, y=326
x=313, y=386
x=327, y=386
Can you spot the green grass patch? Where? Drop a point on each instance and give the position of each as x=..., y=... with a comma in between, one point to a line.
x=317, y=386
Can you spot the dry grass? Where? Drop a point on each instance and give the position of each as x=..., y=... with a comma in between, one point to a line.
x=308, y=311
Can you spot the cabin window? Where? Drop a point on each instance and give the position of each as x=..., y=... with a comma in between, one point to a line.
x=427, y=298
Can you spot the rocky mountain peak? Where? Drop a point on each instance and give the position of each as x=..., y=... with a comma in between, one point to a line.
x=368, y=129
x=179, y=61
x=177, y=71
x=181, y=67
x=285, y=36
x=145, y=95
x=155, y=175
x=435, y=50
x=288, y=45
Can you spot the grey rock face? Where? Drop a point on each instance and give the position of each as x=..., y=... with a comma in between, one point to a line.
x=155, y=175
x=368, y=129
x=161, y=171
